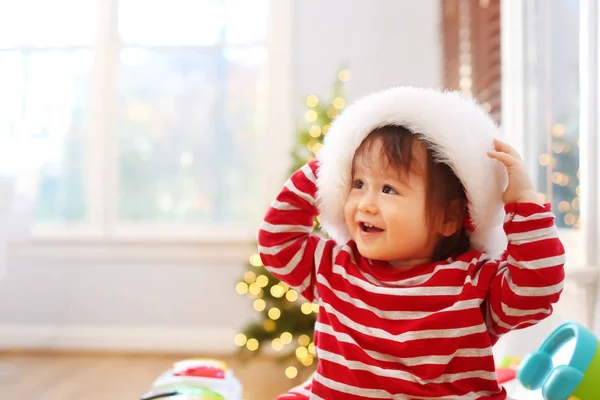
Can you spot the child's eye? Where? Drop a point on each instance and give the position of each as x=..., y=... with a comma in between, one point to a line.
x=389, y=190
x=357, y=184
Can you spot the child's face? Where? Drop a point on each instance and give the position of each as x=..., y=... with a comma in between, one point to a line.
x=385, y=210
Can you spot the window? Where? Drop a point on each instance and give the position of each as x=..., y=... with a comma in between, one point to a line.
x=550, y=107
x=134, y=113
x=551, y=93
x=542, y=105
x=46, y=60
x=549, y=110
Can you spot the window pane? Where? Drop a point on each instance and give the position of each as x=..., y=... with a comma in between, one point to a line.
x=44, y=98
x=246, y=21
x=44, y=23
x=171, y=22
x=187, y=135
x=552, y=102
x=192, y=22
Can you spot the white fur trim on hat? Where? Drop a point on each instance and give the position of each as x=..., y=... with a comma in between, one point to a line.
x=455, y=127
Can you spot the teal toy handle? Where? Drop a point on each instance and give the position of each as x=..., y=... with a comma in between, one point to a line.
x=578, y=378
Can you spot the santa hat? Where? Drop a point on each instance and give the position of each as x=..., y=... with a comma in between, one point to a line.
x=458, y=131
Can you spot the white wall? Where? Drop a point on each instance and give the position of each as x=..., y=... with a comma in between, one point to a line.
x=163, y=298
x=384, y=42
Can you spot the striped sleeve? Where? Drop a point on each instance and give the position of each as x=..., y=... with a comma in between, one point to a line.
x=286, y=244
x=530, y=278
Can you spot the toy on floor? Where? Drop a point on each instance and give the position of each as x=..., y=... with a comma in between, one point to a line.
x=507, y=369
x=578, y=378
x=199, y=379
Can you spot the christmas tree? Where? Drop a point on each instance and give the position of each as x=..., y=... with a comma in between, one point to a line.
x=560, y=177
x=286, y=320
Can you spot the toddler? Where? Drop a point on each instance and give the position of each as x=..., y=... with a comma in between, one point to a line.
x=438, y=246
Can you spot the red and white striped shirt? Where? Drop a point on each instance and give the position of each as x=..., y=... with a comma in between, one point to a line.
x=422, y=333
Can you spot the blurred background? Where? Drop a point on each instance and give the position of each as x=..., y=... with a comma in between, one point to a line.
x=142, y=141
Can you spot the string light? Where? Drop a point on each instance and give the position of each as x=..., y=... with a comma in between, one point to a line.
x=312, y=100
x=291, y=296
x=307, y=361
x=252, y=344
x=262, y=281
x=306, y=308
x=312, y=349
x=339, y=103
x=575, y=204
x=249, y=277
x=255, y=260
x=570, y=219
x=315, y=131
x=315, y=308
x=331, y=112
x=286, y=337
x=277, y=344
x=240, y=339
x=241, y=288
x=326, y=128
x=303, y=340
x=311, y=115
x=284, y=287
x=301, y=352
x=317, y=147
x=560, y=179
x=274, y=313
x=465, y=69
x=344, y=75
x=559, y=148
x=291, y=372
x=260, y=304
x=276, y=291
x=545, y=159
x=269, y=325
x=558, y=130
x=255, y=289
x=564, y=206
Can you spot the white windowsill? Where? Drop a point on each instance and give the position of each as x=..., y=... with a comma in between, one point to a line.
x=138, y=251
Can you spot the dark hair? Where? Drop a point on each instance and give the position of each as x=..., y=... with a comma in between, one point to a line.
x=443, y=186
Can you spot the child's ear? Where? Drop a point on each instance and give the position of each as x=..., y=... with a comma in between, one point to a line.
x=453, y=219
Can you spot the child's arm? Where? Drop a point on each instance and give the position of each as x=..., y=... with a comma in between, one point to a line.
x=524, y=287
x=285, y=241
x=530, y=280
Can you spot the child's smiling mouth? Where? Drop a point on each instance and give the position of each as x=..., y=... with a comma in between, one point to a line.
x=366, y=227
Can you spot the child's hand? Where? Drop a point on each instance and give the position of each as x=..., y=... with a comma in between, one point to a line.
x=520, y=187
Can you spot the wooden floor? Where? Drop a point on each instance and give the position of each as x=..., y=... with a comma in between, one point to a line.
x=67, y=376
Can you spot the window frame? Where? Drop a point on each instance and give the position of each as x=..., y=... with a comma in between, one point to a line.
x=101, y=170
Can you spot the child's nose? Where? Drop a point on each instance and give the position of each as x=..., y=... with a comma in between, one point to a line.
x=367, y=205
